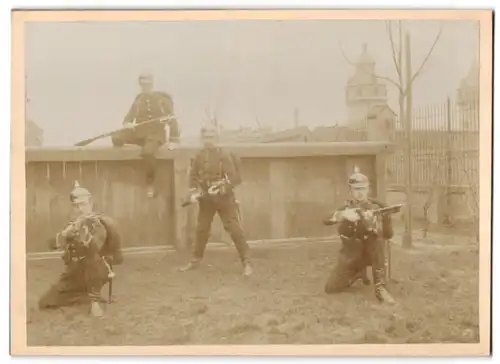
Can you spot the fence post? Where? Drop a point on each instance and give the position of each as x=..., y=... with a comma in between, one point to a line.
x=448, y=190
x=182, y=165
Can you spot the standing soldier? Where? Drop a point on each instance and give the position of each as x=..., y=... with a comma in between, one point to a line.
x=149, y=105
x=91, y=245
x=213, y=177
x=363, y=238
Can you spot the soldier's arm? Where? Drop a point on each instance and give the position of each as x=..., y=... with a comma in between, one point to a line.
x=60, y=239
x=168, y=103
x=132, y=113
x=56, y=242
x=194, y=172
x=387, y=228
x=230, y=170
x=335, y=215
x=94, y=232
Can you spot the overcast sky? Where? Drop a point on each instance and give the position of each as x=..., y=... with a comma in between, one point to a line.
x=82, y=77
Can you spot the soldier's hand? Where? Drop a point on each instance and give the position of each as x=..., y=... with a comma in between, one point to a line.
x=191, y=197
x=329, y=221
x=194, y=197
x=351, y=215
x=369, y=216
x=214, y=190
x=129, y=125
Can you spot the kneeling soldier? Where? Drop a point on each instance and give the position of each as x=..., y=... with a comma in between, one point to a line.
x=91, y=245
x=363, y=235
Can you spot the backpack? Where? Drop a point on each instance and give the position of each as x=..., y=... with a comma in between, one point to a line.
x=113, y=245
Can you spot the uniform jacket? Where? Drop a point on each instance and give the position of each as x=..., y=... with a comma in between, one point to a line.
x=101, y=237
x=148, y=106
x=357, y=230
x=210, y=165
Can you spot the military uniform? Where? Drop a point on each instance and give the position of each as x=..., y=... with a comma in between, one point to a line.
x=92, y=245
x=363, y=244
x=209, y=166
x=148, y=106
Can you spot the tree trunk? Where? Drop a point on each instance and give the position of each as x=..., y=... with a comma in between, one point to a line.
x=407, y=239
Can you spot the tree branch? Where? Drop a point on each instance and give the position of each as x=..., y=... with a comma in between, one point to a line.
x=419, y=70
x=209, y=115
x=371, y=73
x=393, y=47
x=400, y=37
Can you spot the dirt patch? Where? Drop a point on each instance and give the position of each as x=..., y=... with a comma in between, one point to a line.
x=436, y=285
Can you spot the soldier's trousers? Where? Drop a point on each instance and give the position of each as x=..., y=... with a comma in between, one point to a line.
x=227, y=208
x=354, y=256
x=149, y=144
x=81, y=282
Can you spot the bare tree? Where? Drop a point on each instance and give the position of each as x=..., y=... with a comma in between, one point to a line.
x=401, y=56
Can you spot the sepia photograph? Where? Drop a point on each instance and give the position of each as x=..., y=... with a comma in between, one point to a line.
x=238, y=182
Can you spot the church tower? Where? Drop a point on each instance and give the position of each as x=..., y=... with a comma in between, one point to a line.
x=363, y=91
x=468, y=99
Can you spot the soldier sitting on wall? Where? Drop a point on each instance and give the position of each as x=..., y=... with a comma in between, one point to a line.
x=149, y=105
x=91, y=244
x=363, y=240
x=213, y=177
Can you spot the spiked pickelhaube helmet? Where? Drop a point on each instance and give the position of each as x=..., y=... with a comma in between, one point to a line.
x=79, y=194
x=358, y=179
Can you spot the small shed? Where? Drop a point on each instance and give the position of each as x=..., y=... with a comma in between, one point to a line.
x=380, y=122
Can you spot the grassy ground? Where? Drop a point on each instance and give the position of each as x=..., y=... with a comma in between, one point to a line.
x=436, y=284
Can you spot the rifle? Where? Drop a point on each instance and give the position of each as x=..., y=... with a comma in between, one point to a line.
x=214, y=189
x=388, y=210
x=111, y=133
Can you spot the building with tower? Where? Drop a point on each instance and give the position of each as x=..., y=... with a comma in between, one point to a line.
x=364, y=91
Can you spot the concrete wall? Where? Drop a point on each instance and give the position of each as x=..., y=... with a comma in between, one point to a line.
x=287, y=190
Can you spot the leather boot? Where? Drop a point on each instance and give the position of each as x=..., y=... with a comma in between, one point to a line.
x=364, y=276
x=384, y=296
x=96, y=310
x=380, y=290
x=172, y=146
x=247, y=268
x=193, y=264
